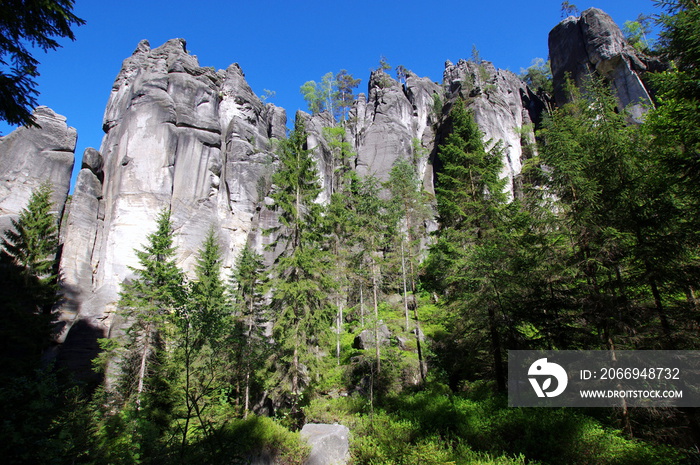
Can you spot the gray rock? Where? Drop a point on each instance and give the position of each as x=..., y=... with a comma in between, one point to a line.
x=505, y=110
x=593, y=43
x=30, y=156
x=366, y=340
x=92, y=160
x=329, y=444
x=177, y=136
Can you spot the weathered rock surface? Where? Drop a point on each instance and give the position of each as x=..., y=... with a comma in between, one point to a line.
x=593, y=43
x=505, y=110
x=329, y=444
x=392, y=122
x=178, y=136
x=366, y=340
x=31, y=156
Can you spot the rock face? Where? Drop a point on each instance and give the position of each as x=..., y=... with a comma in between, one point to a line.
x=505, y=110
x=178, y=136
x=30, y=157
x=593, y=43
x=329, y=444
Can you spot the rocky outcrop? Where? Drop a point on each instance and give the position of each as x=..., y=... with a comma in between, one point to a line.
x=366, y=338
x=199, y=142
x=593, y=43
x=394, y=121
x=31, y=156
x=178, y=136
x=505, y=110
x=329, y=444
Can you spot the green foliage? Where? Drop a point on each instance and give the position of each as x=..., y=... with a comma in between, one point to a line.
x=267, y=95
x=32, y=242
x=383, y=64
x=568, y=9
x=147, y=303
x=26, y=25
x=676, y=121
x=636, y=32
x=538, y=76
x=302, y=282
x=28, y=284
x=333, y=94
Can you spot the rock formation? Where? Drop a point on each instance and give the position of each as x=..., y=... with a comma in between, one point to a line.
x=31, y=156
x=505, y=109
x=178, y=136
x=593, y=43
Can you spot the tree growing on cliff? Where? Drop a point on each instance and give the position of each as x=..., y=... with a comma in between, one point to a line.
x=333, y=94
x=25, y=23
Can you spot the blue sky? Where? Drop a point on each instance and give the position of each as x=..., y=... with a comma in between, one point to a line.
x=281, y=44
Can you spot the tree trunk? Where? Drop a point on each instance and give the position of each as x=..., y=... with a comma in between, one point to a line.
x=405, y=291
x=376, y=316
x=143, y=365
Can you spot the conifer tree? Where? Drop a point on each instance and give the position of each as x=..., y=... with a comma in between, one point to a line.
x=301, y=279
x=249, y=281
x=31, y=245
x=28, y=283
x=371, y=230
x=201, y=325
x=466, y=258
x=410, y=206
x=147, y=303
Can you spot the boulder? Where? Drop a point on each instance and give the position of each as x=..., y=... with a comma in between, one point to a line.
x=366, y=340
x=329, y=444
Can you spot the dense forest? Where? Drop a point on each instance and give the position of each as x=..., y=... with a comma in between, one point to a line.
x=391, y=310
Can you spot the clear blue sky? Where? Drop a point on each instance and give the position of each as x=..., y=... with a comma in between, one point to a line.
x=281, y=44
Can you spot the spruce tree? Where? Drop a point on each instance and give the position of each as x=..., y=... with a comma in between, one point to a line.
x=301, y=279
x=249, y=281
x=147, y=303
x=466, y=260
x=28, y=283
x=410, y=208
x=31, y=245
x=201, y=326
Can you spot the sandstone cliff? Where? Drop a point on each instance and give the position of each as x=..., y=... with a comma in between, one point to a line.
x=30, y=157
x=178, y=136
x=593, y=43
